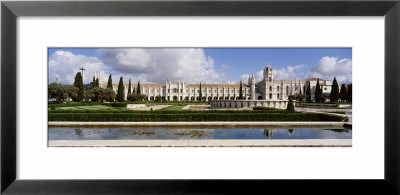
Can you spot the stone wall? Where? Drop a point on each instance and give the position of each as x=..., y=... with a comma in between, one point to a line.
x=278, y=104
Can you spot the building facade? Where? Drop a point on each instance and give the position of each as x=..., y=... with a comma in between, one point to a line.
x=266, y=89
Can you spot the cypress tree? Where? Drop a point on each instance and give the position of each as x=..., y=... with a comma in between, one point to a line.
x=308, y=93
x=94, y=82
x=349, y=93
x=240, y=91
x=290, y=106
x=343, y=93
x=334, y=97
x=97, y=82
x=200, y=93
x=79, y=84
x=299, y=96
x=317, y=93
x=133, y=91
x=121, y=91
x=109, y=84
x=138, y=88
x=129, y=87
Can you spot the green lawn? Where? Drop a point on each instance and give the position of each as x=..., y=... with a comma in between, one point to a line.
x=94, y=107
x=172, y=108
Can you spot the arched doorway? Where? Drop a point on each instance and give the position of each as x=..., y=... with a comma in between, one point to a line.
x=175, y=98
x=259, y=97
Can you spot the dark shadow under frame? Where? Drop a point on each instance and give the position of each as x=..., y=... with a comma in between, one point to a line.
x=11, y=10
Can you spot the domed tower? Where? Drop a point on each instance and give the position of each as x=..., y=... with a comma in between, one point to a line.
x=268, y=73
x=252, y=84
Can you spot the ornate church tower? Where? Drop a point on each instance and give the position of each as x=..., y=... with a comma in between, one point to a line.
x=252, y=84
x=268, y=73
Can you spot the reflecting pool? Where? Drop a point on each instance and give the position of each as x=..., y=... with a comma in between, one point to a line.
x=137, y=133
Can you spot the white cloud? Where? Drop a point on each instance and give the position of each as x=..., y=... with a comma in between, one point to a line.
x=289, y=73
x=63, y=66
x=329, y=67
x=147, y=65
x=157, y=65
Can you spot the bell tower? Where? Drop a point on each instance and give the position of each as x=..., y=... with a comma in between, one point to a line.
x=268, y=73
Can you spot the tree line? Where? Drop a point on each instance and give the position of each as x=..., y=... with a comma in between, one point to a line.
x=344, y=94
x=93, y=92
x=80, y=92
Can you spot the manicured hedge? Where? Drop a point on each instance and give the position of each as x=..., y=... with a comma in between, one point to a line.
x=192, y=117
x=118, y=104
x=169, y=111
x=264, y=108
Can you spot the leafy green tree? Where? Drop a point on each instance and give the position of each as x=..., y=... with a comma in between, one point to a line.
x=317, y=93
x=158, y=98
x=200, y=93
x=73, y=92
x=62, y=93
x=86, y=91
x=98, y=94
x=129, y=87
x=325, y=96
x=349, y=93
x=136, y=97
x=308, y=93
x=300, y=97
x=78, y=83
x=143, y=97
x=240, y=91
x=109, y=95
x=109, y=83
x=334, y=97
x=134, y=91
x=121, y=91
x=290, y=106
x=343, y=93
x=138, y=91
x=133, y=97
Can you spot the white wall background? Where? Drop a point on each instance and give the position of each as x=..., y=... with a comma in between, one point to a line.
x=364, y=160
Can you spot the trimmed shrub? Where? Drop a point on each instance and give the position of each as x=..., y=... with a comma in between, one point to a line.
x=118, y=104
x=263, y=108
x=153, y=116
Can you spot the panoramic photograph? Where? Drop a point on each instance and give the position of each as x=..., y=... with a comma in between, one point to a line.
x=199, y=97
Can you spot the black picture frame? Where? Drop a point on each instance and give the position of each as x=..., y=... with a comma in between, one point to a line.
x=10, y=10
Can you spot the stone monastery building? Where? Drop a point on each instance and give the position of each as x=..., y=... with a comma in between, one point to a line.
x=266, y=89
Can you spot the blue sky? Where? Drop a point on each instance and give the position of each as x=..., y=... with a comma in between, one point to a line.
x=212, y=65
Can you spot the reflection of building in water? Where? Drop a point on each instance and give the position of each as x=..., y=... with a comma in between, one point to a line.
x=79, y=132
x=268, y=133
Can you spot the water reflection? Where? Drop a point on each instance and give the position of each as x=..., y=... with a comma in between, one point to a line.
x=78, y=132
x=56, y=133
x=268, y=133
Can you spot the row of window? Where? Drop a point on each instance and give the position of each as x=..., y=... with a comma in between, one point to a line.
x=175, y=90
